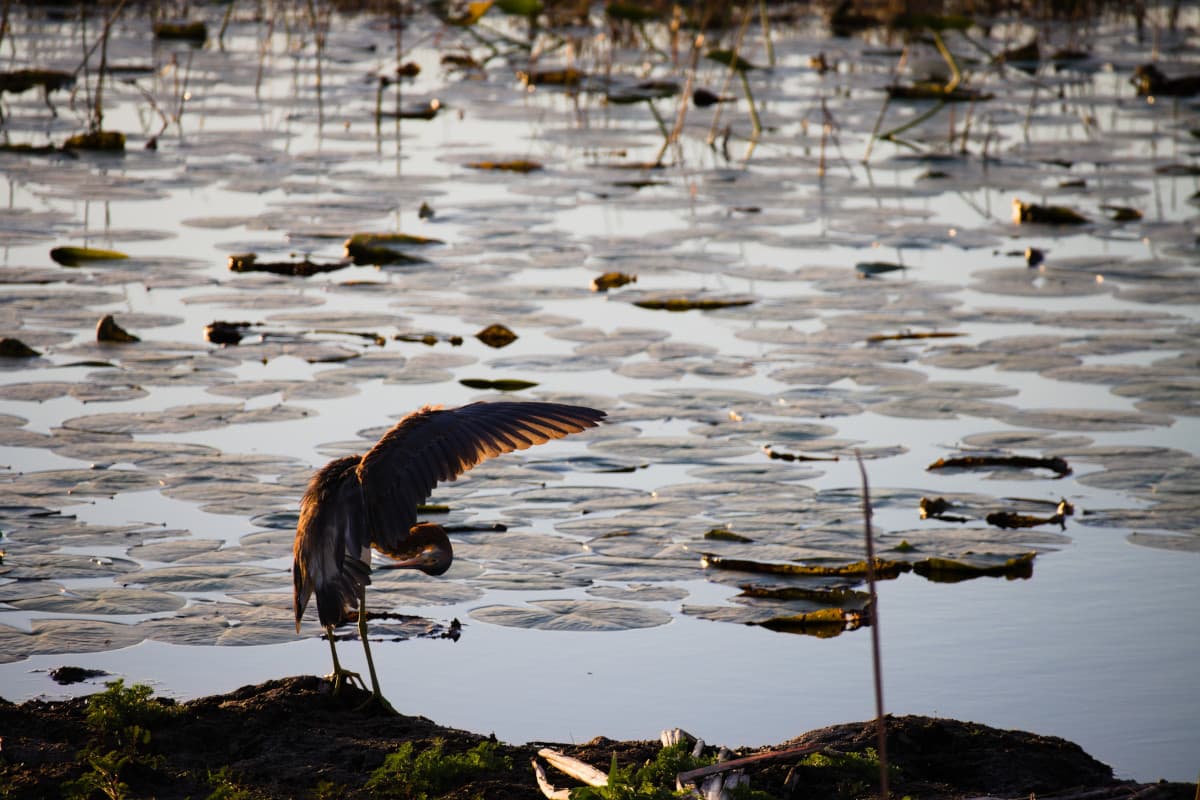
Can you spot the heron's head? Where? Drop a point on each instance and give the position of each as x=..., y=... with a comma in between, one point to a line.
x=427, y=549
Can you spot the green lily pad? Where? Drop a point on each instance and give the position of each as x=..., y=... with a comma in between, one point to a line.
x=946, y=570
x=77, y=256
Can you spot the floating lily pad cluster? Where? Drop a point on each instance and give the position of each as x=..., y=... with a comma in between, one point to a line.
x=753, y=322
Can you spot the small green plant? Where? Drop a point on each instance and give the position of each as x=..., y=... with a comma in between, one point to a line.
x=125, y=715
x=227, y=787
x=850, y=774
x=623, y=785
x=120, y=720
x=105, y=776
x=654, y=780
x=433, y=772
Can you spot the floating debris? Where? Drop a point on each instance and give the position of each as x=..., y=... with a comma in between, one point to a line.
x=632, y=12
x=895, y=337
x=703, y=98
x=936, y=508
x=248, y=262
x=869, y=269
x=429, y=339
x=222, y=332
x=102, y=141
x=381, y=249
x=1024, y=57
x=1034, y=257
x=568, y=77
x=611, y=280
x=933, y=90
x=1012, y=519
x=496, y=335
x=948, y=570
x=725, y=535
x=884, y=568
x=48, y=80
x=690, y=303
x=462, y=60
x=500, y=385
x=848, y=598
x=1151, y=81
x=107, y=330
x=65, y=676
x=193, y=32
x=643, y=91
x=427, y=110
x=823, y=623
x=24, y=149
x=1045, y=215
x=731, y=59
x=1177, y=170
x=1055, y=464
x=782, y=456
x=15, y=348
x=1122, y=213
x=516, y=165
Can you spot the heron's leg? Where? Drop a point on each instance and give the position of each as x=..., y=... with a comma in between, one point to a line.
x=376, y=695
x=340, y=676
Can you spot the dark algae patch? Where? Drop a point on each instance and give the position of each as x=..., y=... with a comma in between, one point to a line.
x=293, y=738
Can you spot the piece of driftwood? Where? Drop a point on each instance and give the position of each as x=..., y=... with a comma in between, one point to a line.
x=695, y=777
x=548, y=788
x=581, y=771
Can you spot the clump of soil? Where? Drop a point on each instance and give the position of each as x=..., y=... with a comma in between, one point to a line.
x=294, y=738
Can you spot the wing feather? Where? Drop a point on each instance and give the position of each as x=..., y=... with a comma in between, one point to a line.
x=331, y=536
x=432, y=445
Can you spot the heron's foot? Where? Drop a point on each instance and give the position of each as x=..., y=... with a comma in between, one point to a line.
x=378, y=703
x=340, y=677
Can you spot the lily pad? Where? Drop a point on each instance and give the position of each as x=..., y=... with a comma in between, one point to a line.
x=54, y=636
x=180, y=419
x=215, y=578
x=78, y=256
x=103, y=601
x=62, y=566
x=640, y=592
x=573, y=615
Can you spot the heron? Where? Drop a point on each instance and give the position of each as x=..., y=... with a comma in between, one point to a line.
x=359, y=502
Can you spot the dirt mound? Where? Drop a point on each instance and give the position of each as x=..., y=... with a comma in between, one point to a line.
x=294, y=738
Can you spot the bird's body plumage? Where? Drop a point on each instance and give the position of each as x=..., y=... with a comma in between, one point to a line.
x=358, y=502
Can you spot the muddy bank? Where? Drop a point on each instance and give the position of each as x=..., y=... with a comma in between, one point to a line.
x=292, y=738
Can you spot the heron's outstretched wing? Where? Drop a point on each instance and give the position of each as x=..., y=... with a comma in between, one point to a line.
x=331, y=538
x=433, y=445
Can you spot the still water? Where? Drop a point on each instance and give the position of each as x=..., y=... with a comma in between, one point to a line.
x=177, y=464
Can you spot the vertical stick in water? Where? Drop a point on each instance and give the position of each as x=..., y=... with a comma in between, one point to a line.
x=880, y=722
